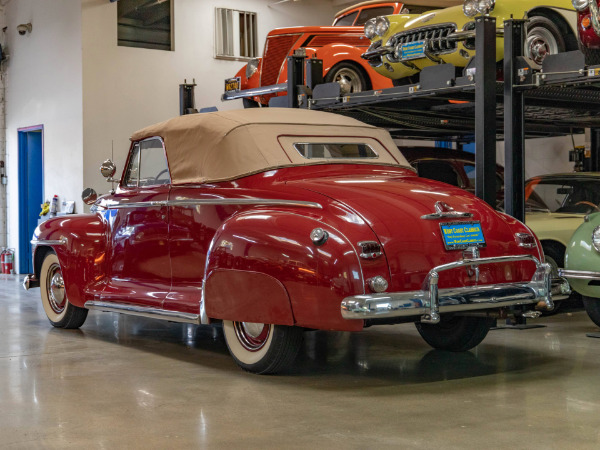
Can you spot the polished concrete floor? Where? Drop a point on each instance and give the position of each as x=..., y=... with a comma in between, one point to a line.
x=125, y=382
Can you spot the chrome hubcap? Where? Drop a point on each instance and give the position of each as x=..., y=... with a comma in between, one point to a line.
x=252, y=336
x=56, y=289
x=348, y=80
x=540, y=43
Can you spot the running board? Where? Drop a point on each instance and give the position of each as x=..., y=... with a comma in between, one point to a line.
x=144, y=311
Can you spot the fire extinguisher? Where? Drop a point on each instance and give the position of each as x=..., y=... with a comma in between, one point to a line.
x=6, y=258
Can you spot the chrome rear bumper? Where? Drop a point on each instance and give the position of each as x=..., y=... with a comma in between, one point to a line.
x=233, y=95
x=430, y=302
x=579, y=274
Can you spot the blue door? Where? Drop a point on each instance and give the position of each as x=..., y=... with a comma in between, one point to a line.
x=31, y=194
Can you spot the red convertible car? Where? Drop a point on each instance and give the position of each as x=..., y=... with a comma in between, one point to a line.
x=274, y=221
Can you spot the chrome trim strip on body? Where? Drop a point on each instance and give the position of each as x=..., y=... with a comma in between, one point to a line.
x=217, y=201
x=143, y=311
x=265, y=90
x=61, y=241
x=579, y=274
x=431, y=301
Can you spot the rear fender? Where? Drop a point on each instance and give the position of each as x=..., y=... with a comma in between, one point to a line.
x=263, y=267
x=82, y=255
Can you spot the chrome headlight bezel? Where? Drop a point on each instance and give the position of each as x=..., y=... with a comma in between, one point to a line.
x=470, y=8
x=252, y=67
x=596, y=238
x=382, y=24
x=370, y=29
x=485, y=6
x=580, y=5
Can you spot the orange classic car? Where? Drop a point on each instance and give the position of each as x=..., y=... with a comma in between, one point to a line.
x=339, y=46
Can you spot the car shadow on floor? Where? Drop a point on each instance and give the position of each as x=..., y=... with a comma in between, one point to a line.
x=389, y=356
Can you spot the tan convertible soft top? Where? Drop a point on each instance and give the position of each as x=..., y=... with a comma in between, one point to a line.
x=226, y=145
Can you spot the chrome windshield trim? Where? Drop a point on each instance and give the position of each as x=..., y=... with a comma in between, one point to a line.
x=244, y=201
x=61, y=241
x=233, y=95
x=579, y=274
x=143, y=311
x=430, y=302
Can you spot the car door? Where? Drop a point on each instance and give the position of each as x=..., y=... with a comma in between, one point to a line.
x=139, y=268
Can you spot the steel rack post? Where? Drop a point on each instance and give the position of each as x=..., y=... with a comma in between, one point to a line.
x=485, y=108
x=295, y=77
x=514, y=130
x=595, y=150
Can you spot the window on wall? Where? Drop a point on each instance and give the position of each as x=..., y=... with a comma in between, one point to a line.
x=235, y=34
x=145, y=24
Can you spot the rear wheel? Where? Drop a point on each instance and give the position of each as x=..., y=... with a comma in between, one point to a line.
x=60, y=312
x=349, y=76
x=592, y=308
x=455, y=334
x=262, y=348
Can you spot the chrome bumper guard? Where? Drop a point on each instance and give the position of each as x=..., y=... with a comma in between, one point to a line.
x=579, y=274
x=30, y=281
x=452, y=37
x=234, y=95
x=431, y=301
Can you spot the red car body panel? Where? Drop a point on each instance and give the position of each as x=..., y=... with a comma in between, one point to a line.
x=587, y=35
x=255, y=263
x=332, y=44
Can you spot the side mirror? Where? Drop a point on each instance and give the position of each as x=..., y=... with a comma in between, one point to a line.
x=89, y=196
x=108, y=169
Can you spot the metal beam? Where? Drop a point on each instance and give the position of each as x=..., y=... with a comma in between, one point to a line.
x=485, y=109
x=514, y=133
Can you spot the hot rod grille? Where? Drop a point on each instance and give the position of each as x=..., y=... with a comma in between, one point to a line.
x=435, y=34
x=276, y=49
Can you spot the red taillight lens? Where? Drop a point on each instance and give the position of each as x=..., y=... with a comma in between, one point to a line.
x=525, y=240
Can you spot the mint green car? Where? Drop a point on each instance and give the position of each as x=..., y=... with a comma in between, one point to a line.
x=582, y=264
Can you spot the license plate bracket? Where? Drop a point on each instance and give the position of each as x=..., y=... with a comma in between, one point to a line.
x=461, y=235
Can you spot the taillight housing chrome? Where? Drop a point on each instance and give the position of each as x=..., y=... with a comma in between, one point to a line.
x=370, y=249
x=525, y=240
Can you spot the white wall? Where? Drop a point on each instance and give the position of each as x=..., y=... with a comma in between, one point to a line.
x=43, y=87
x=545, y=155
x=128, y=88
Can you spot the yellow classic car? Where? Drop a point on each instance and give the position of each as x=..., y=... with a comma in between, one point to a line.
x=403, y=44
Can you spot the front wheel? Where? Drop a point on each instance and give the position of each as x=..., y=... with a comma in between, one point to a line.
x=592, y=308
x=60, y=312
x=543, y=38
x=455, y=334
x=262, y=348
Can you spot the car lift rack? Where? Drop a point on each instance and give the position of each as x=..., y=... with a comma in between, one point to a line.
x=559, y=98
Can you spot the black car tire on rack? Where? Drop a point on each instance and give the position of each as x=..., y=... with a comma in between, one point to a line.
x=457, y=333
x=543, y=37
x=349, y=75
